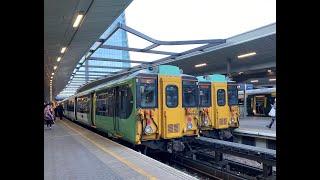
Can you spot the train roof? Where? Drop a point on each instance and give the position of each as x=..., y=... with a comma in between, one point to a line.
x=159, y=70
x=259, y=91
x=212, y=78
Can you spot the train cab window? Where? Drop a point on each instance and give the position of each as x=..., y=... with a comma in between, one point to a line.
x=171, y=96
x=189, y=94
x=221, y=97
x=147, y=93
x=205, y=95
x=232, y=95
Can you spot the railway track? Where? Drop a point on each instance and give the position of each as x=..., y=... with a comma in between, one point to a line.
x=205, y=156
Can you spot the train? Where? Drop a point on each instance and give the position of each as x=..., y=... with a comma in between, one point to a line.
x=159, y=108
x=259, y=101
x=218, y=106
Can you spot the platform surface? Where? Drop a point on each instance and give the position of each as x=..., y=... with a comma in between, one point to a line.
x=75, y=153
x=257, y=126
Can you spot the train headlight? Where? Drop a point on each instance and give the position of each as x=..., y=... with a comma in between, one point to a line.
x=206, y=122
x=189, y=125
x=148, y=129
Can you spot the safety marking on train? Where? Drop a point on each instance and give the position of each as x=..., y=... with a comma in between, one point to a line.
x=129, y=164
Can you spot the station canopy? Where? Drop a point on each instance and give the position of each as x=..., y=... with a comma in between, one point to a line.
x=123, y=49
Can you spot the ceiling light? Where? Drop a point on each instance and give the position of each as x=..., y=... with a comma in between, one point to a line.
x=52, y=73
x=247, y=55
x=63, y=49
x=55, y=67
x=269, y=71
x=59, y=58
x=240, y=73
x=51, y=77
x=274, y=79
x=78, y=20
x=200, y=65
x=88, y=54
x=254, y=81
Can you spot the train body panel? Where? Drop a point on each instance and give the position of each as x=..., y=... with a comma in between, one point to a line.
x=220, y=107
x=233, y=105
x=170, y=103
x=190, y=100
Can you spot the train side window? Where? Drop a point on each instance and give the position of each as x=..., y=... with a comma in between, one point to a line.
x=171, y=96
x=101, y=104
x=110, y=103
x=83, y=105
x=221, y=97
x=205, y=95
x=126, y=102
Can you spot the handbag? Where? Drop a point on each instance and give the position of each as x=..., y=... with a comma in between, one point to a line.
x=272, y=112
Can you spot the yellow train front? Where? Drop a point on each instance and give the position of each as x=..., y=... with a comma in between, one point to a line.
x=216, y=117
x=173, y=116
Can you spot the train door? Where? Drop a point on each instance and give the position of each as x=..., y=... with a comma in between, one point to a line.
x=170, y=89
x=221, y=109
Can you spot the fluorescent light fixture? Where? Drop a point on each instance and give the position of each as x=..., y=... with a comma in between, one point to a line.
x=55, y=67
x=274, y=79
x=63, y=49
x=254, y=81
x=247, y=55
x=200, y=65
x=58, y=59
x=88, y=54
x=52, y=73
x=78, y=20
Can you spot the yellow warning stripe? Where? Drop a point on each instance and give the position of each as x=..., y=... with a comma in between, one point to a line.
x=132, y=166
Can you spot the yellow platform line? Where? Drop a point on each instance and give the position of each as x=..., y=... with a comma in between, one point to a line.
x=129, y=164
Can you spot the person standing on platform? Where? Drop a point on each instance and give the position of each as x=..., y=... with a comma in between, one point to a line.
x=48, y=116
x=272, y=113
x=60, y=111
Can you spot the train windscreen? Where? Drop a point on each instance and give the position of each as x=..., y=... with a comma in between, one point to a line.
x=205, y=95
x=232, y=95
x=147, y=93
x=189, y=94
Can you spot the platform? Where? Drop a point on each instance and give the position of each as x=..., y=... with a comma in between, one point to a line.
x=256, y=126
x=73, y=152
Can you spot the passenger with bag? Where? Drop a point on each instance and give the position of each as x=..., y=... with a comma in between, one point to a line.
x=48, y=116
x=272, y=113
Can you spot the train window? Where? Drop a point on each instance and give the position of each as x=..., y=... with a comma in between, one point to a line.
x=83, y=104
x=110, y=103
x=126, y=102
x=171, y=96
x=221, y=97
x=232, y=95
x=271, y=144
x=147, y=97
x=190, y=94
x=70, y=106
x=101, y=104
x=205, y=95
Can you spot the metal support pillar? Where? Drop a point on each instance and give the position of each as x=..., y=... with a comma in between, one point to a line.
x=229, y=60
x=245, y=100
